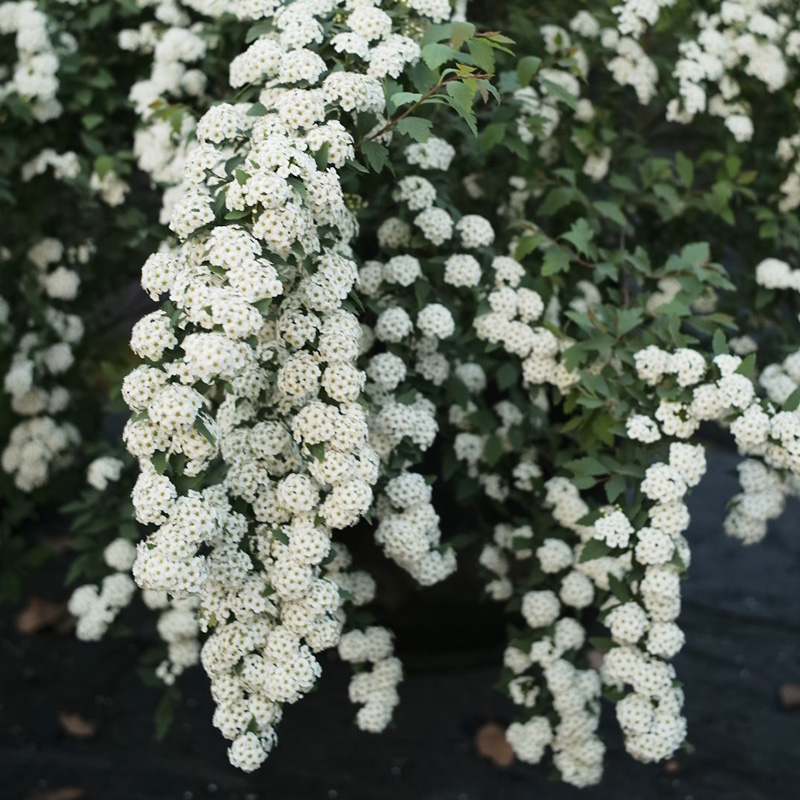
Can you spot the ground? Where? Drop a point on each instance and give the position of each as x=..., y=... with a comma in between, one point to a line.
x=742, y=620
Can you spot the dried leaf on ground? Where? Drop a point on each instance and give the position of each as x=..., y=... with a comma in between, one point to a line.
x=75, y=725
x=491, y=743
x=790, y=696
x=63, y=793
x=39, y=614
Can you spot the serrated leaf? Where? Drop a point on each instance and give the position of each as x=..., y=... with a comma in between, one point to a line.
x=461, y=31
x=580, y=236
x=377, y=155
x=556, y=199
x=435, y=54
x=404, y=98
x=417, y=128
x=555, y=260
x=482, y=53
x=611, y=211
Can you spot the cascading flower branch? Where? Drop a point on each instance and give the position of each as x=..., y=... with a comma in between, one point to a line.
x=251, y=365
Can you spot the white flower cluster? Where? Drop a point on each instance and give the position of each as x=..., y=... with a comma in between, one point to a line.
x=543, y=667
x=34, y=76
x=162, y=144
x=749, y=38
x=636, y=16
x=44, y=355
x=773, y=273
x=374, y=689
x=97, y=607
x=630, y=64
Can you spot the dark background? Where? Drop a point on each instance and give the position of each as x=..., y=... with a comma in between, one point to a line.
x=741, y=615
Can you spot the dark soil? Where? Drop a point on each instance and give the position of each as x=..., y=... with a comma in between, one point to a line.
x=742, y=618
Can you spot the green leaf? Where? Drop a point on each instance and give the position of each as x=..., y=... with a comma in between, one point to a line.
x=103, y=165
x=461, y=31
x=165, y=713
x=611, y=211
x=556, y=199
x=593, y=549
x=580, y=236
x=318, y=450
x=620, y=590
x=493, y=135
x=461, y=98
x=628, y=319
x=614, y=487
x=434, y=55
x=696, y=253
x=558, y=91
x=257, y=110
x=719, y=343
x=493, y=449
x=507, y=376
x=377, y=155
x=404, y=98
x=482, y=53
x=792, y=401
x=685, y=169
x=416, y=128
x=280, y=536
x=160, y=461
x=201, y=426
x=555, y=260
x=527, y=244
x=527, y=68
x=747, y=367
x=588, y=465
x=91, y=121
x=601, y=643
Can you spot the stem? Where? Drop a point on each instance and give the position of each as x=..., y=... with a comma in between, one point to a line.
x=414, y=106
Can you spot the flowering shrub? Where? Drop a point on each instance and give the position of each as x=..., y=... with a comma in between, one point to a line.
x=79, y=217
x=411, y=261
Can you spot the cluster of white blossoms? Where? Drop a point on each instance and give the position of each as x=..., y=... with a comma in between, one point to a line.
x=634, y=17
x=34, y=76
x=515, y=322
x=763, y=498
x=254, y=363
x=374, y=689
x=773, y=273
x=65, y=166
x=96, y=607
x=753, y=38
x=642, y=626
x=630, y=65
x=175, y=40
x=42, y=441
x=559, y=703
